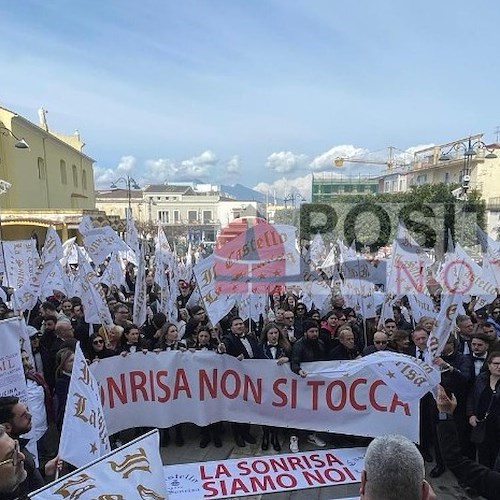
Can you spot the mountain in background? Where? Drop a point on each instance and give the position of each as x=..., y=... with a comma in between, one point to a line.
x=244, y=193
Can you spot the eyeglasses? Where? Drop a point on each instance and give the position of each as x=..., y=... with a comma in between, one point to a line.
x=15, y=459
x=96, y=342
x=380, y=342
x=496, y=312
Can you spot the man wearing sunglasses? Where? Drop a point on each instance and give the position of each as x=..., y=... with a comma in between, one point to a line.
x=12, y=472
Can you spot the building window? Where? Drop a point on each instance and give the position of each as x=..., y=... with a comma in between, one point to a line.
x=163, y=216
x=64, y=174
x=75, y=175
x=41, y=168
x=177, y=217
x=192, y=216
x=207, y=216
x=128, y=213
x=84, y=179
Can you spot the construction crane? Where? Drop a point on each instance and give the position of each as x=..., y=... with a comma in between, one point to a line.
x=390, y=163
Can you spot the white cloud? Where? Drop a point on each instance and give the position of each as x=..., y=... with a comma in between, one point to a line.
x=233, y=166
x=326, y=160
x=168, y=170
x=284, y=187
x=104, y=177
x=126, y=165
x=285, y=162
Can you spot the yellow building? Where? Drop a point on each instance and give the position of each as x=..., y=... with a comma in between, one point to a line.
x=51, y=181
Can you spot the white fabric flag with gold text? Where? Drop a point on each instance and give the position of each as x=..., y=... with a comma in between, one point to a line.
x=84, y=436
x=132, y=471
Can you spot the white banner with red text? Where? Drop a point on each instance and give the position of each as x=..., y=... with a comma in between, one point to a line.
x=260, y=475
x=168, y=388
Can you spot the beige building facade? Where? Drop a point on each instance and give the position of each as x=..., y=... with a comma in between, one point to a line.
x=51, y=181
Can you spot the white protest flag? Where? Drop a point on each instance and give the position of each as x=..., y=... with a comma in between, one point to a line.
x=85, y=225
x=70, y=254
x=217, y=304
x=140, y=302
x=52, y=248
x=133, y=471
x=455, y=278
x=12, y=380
x=132, y=239
x=54, y=278
x=481, y=285
x=328, y=265
x=421, y=305
x=84, y=436
x=102, y=241
x=409, y=377
x=114, y=274
x=20, y=258
x=252, y=306
x=407, y=267
x=93, y=300
x=317, y=250
x=163, y=262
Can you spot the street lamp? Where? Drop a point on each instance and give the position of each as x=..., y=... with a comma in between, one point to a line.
x=469, y=148
x=130, y=183
x=20, y=143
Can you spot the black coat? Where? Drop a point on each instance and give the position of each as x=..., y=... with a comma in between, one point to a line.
x=484, y=480
x=304, y=351
x=235, y=347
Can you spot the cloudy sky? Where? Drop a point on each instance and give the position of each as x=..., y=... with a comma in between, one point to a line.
x=261, y=92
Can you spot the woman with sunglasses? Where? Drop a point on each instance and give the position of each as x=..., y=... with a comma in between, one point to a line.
x=98, y=349
x=494, y=316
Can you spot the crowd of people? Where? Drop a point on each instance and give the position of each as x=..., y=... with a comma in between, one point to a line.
x=288, y=332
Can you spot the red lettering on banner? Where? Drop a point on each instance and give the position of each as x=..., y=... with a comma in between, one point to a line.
x=295, y=462
x=138, y=385
x=371, y=393
x=352, y=394
x=212, y=491
x=256, y=390
x=206, y=383
x=294, y=394
x=224, y=384
x=292, y=481
x=397, y=402
x=315, y=389
x=113, y=390
x=220, y=470
x=166, y=389
x=349, y=473
x=343, y=395
x=313, y=477
x=333, y=460
x=152, y=385
x=262, y=484
x=238, y=486
x=278, y=392
x=242, y=466
x=334, y=475
x=181, y=384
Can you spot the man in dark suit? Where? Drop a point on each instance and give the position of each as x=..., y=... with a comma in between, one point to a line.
x=241, y=346
x=479, y=347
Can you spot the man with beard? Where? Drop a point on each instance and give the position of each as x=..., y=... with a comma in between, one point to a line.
x=16, y=420
x=12, y=472
x=308, y=348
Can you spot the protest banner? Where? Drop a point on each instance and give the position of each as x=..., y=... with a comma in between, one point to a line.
x=12, y=381
x=131, y=471
x=168, y=388
x=260, y=475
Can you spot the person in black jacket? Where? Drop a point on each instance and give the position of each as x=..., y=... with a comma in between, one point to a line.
x=479, y=477
x=242, y=346
x=274, y=346
x=308, y=348
x=346, y=349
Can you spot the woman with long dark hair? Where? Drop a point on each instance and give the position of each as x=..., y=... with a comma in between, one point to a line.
x=275, y=346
